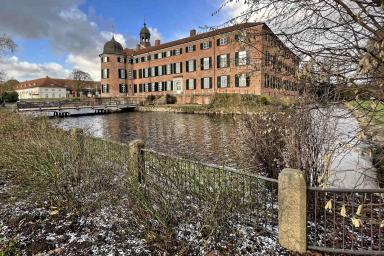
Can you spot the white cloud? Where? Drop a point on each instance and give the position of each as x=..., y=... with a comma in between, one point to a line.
x=24, y=70
x=69, y=30
x=87, y=64
x=107, y=35
x=155, y=35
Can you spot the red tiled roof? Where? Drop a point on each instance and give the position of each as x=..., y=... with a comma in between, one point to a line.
x=53, y=82
x=197, y=37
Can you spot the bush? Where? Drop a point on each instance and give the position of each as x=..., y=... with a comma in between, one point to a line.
x=170, y=99
x=12, y=96
x=66, y=170
x=150, y=98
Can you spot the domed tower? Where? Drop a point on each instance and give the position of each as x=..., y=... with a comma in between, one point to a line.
x=145, y=36
x=113, y=70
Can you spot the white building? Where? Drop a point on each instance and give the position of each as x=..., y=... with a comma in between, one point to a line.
x=41, y=88
x=51, y=88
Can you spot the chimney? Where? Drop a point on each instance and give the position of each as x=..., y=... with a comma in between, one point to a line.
x=192, y=32
x=157, y=42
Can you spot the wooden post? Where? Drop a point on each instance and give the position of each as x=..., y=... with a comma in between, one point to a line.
x=136, y=159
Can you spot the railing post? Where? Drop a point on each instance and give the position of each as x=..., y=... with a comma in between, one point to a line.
x=136, y=159
x=292, y=192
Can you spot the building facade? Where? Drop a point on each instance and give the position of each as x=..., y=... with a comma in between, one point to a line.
x=246, y=58
x=52, y=88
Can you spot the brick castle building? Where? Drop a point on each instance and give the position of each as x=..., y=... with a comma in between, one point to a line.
x=245, y=58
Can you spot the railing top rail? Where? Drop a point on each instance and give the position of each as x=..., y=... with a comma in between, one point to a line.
x=347, y=190
x=215, y=166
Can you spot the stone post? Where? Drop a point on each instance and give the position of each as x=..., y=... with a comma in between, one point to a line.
x=136, y=159
x=292, y=210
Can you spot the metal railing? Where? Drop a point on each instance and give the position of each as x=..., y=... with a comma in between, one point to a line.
x=245, y=196
x=346, y=221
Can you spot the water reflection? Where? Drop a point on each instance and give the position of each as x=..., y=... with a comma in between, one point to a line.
x=207, y=138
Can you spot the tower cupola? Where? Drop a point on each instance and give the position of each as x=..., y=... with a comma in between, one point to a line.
x=145, y=36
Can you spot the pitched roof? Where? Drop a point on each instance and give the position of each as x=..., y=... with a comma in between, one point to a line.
x=198, y=37
x=53, y=82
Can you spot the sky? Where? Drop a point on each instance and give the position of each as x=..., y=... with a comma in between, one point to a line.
x=56, y=36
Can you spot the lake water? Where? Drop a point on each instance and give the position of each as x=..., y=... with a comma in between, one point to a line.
x=211, y=139
x=202, y=137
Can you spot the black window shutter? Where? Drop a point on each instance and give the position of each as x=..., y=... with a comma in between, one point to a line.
x=202, y=63
x=194, y=47
x=237, y=81
x=218, y=82
x=228, y=59
x=186, y=49
x=194, y=65
x=181, y=67
x=187, y=66
x=218, y=61
x=218, y=42
x=181, y=50
x=237, y=58
x=210, y=44
x=210, y=82
x=201, y=46
x=107, y=59
x=248, y=81
x=107, y=73
x=194, y=84
x=210, y=62
x=202, y=83
x=228, y=81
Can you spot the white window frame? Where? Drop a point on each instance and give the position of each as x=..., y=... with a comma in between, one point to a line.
x=168, y=54
x=223, y=61
x=104, y=88
x=190, y=48
x=243, y=55
x=122, y=74
x=169, y=69
x=243, y=80
x=206, y=45
x=191, y=66
x=206, y=83
x=177, y=68
x=206, y=63
x=223, y=41
x=222, y=80
x=169, y=85
x=105, y=59
x=160, y=70
x=191, y=84
x=177, y=52
x=105, y=73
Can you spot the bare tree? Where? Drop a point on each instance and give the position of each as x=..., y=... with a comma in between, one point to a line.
x=79, y=78
x=341, y=42
x=341, y=47
x=7, y=45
